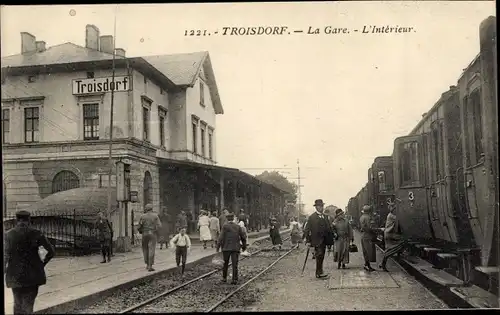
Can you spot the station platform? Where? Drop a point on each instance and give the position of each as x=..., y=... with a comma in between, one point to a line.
x=70, y=279
x=354, y=289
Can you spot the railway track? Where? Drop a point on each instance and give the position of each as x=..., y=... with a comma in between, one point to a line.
x=174, y=299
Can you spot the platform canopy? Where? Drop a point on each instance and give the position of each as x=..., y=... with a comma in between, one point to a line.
x=85, y=203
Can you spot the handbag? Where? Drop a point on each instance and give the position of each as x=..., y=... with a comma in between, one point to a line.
x=353, y=248
x=140, y=229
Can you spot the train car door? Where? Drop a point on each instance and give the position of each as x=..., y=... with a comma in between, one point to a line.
x=442, y=220
x=409, y=186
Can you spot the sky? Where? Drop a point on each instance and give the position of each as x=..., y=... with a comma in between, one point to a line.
x=333, y=102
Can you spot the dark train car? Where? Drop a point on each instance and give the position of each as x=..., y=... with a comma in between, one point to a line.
x=479, y=120
x=381, y=183
x=426, y=164
x=364, y=198
x=353, y=210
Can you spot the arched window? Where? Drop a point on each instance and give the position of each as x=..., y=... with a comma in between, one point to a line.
x=148, y=189
x=65, y=180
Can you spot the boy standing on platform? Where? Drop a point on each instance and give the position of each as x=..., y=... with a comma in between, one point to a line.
x=182, y=244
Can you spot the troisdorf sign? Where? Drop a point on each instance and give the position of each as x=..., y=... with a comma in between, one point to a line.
x=101, y=85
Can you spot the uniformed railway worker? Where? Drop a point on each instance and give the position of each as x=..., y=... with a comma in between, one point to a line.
x=149, y=225
x=23, y=266
x=394, y=243
x=105, y=236
x=368, y=233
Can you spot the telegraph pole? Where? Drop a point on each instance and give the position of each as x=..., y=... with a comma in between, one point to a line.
x=111, y=165
x=298, y=188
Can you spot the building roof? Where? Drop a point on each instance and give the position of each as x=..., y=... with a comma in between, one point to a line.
x=59, y=54
x=183, y=70
x=84, y=202
x=19, y=92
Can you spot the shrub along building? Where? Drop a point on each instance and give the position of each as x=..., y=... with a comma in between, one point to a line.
x=56, y=119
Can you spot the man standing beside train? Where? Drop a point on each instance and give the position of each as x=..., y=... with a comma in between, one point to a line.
x=394, y=242
x=368, y=235
x=319, y=234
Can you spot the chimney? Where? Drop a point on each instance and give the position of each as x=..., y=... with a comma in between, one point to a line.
x=92, y=37
x=452, y=87
x=106, y=44
x=40, y=46
x=423, y=115
x=27, y=42
x=120, y=52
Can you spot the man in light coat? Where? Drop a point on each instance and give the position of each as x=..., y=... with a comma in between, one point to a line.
x=149, y=226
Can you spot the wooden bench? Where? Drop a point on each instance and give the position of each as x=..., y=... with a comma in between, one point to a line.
x=476, y=296
x=438, y=276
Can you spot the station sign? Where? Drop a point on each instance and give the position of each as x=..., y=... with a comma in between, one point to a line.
x=101, y=85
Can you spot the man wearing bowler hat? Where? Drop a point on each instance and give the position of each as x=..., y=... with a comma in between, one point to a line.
x=24, y=268
x=319, y=234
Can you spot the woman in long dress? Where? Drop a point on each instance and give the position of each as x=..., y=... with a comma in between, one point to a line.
x=274, y=233
x=204, y=228
x=295, y=233
x=344, y=234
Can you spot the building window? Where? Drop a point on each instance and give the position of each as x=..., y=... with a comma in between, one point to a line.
x=409, y=171
x=202, y=136
x=194, y=125
x=31, y=124
x=91, y=121
x=381, y=181
x=147, y=189
x=210, y=144
x=5, y=125
x=162, y=130
x=65, y=180
x=90, y=74
x=202, y=93
x=145, y=123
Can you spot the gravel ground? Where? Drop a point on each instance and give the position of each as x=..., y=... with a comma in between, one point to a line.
x=283, y=288
x=200, y=295
x=125, y=298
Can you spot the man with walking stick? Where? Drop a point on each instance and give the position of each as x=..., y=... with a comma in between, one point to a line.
x=319, y=234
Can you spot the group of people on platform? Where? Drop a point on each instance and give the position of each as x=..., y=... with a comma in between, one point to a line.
x=324, y=231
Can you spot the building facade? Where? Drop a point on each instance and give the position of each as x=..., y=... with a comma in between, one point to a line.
x=56, y=127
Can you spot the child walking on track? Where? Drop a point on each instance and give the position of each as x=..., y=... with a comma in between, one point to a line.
x=182, y=243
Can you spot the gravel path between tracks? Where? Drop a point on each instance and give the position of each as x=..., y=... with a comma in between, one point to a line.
x=283, y=288
x=123, y=299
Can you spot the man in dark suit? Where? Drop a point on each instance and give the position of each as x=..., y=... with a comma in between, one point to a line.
x=23, y=266
x=229, y=241
x=319, y=234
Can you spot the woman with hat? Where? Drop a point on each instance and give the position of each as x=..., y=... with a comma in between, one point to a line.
x=274, y=232
x=344, y=235
x=204, y=228
x=368, y=233
x=295, y=233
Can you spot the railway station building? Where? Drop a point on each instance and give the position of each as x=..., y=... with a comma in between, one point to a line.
x=56, y=129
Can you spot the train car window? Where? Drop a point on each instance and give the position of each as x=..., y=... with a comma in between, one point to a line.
x=381, y=181
x=435, y=156
x=409, y=170
x=474, y=127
